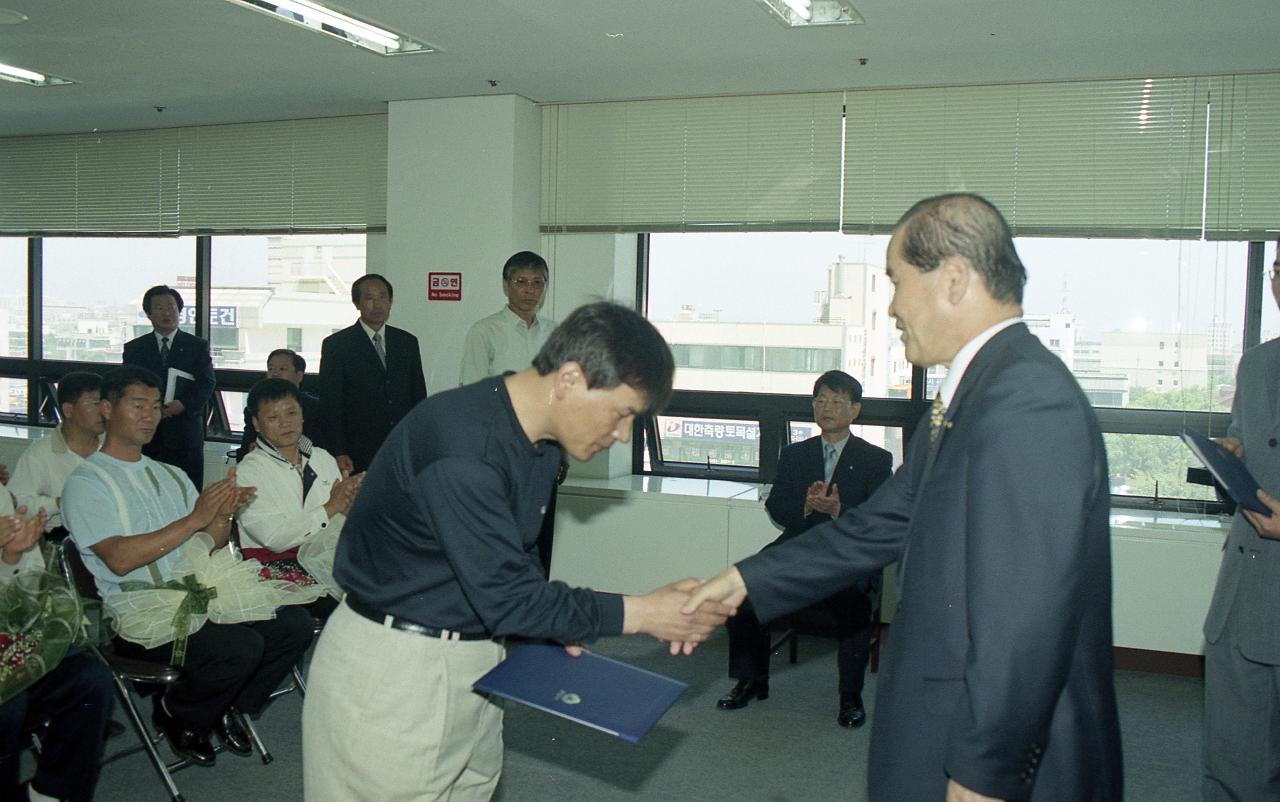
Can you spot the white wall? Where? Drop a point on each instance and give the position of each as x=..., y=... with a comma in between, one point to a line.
x=463, y=182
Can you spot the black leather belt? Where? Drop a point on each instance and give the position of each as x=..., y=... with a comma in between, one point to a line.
x=387, y=620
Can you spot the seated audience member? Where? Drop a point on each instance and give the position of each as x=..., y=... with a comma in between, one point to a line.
x=43, y=468
x=301, y=500
x=75, y=696
x=132, y=519
x=817, y=480
x=285, y=364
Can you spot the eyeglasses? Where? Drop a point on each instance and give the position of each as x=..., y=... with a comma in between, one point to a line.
x=534, y=283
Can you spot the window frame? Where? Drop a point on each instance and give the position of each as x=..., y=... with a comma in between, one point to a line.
x=41, y=374
x=772, y=411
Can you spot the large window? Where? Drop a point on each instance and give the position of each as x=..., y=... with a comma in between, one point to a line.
x=13, y=296
x=93, y=289
x=280, y=291
x=267, y=292
x=1143, y=325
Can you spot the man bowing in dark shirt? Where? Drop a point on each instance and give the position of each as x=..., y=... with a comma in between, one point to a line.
x=439, y=558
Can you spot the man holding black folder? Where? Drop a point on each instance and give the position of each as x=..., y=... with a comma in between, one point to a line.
x=1242, y=629
x=438, y=559
x=179, y=439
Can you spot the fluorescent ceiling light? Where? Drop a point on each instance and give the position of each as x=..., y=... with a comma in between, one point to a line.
x=19, y=75
x=802, y=7
x=804, y=13
x=331, y=22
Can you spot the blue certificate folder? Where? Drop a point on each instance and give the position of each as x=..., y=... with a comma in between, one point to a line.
x=599, y=692
x=1228, y=469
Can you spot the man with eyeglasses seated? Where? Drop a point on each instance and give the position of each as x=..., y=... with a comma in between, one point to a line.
x=817, y=480
x=508, y=340
x=291, y=525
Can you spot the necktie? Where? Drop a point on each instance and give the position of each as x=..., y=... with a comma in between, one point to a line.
x=377, y=346
x=164, y=350
x=937, y=411
x=829, y=458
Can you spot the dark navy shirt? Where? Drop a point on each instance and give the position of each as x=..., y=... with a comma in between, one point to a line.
x=444, y=530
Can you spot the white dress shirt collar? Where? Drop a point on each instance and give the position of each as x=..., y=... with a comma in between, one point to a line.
x=960, y=362
x=370, y=332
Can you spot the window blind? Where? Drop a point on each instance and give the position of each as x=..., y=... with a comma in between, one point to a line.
x=726, y=163
x=123, y=182
x=295, y=175
x=300, y=175
x=1243, y=198
x=1120, y=158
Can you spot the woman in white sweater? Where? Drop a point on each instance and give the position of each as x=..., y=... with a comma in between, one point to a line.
x=292, y=523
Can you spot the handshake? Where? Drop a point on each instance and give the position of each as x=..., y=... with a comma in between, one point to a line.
x=685, y=613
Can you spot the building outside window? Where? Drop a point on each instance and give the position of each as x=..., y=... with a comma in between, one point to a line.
x=93, y=289
x=1143, y=324
x=280, y=291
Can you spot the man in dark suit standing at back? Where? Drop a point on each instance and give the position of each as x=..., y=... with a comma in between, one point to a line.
x=370, y=377
x=817, y=480
x=179, y=439
x=998, y=679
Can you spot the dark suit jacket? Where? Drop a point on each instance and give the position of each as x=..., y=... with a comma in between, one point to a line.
x=861, y=469
x=178, y=440
x=1000, y=669
x=312, y=425
x=360, y=400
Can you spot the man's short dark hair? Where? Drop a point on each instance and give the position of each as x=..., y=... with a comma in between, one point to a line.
x=366, y=278
x=266, y=391
x=525, y=260
x=75, y=384
x=614, y=346
x=837, y=381
x=155, y=292
x=965, y=225
x=299, y=364
x=117, y=380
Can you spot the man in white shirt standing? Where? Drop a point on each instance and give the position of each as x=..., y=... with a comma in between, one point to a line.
x=510, y=338
x=43, y=468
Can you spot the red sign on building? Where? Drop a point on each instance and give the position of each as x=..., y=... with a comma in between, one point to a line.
x=444, y=286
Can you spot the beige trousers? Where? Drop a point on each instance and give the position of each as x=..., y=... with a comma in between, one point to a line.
x=390, y=715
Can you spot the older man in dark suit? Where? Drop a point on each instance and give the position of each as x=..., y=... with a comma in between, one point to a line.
x=179, y=439
x=817, y=480
x=370, y=377
x=997, y=682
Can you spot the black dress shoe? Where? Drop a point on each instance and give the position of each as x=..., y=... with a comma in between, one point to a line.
x=743, y=692
x=184, y=740
x=852, y=714
x=233, y=735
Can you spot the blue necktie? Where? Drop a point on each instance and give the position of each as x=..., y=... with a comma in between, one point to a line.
x=830, y=456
